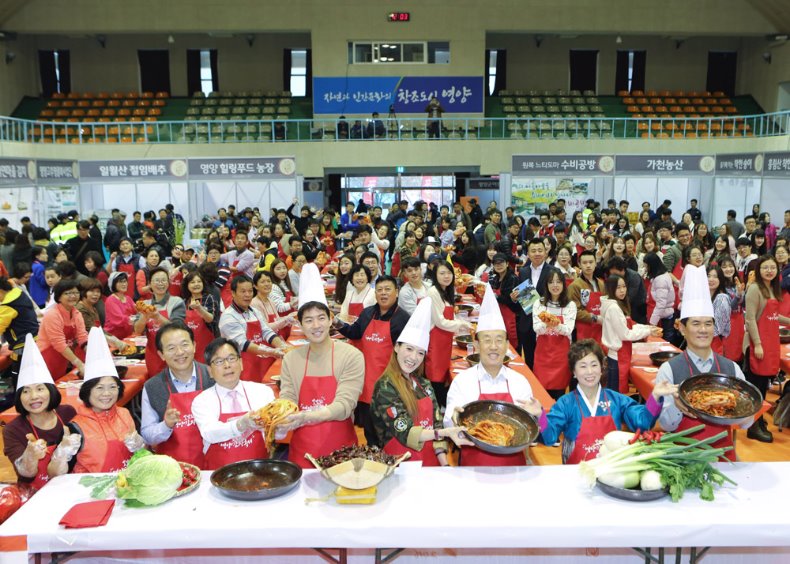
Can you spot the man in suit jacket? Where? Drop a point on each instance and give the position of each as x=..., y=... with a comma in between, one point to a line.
x=537, y=270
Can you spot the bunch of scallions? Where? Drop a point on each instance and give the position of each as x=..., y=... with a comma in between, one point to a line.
x=661, y=460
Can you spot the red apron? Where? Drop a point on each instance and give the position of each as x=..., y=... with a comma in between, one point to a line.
x=717, y=345
x=233, y=450
x=376, y=346
x=710, y=429
x=267, y=361
x=129, y=269
x=425, y=420
x=323, y=438
x=651, y=302
x=473, y=456
x=175, y=284
x=440, y=348
x=355, y=308
x=153, y=362
x=677, y=272
x=254, y=367
x=591, y=330
x=553, y=370
x=591, y=433
x=509, y=317
x=784, y=305
x=185, y=443
x=733, y=343
x=203, y=335
x=42, y=476
x=624, y=360
x=226, y=294
x=57, y=364
x=768, y=328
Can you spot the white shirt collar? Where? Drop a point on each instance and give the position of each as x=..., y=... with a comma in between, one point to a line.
x=482, y=374
x=699, y=362
x=593, y=408
x=192, y=378
x=223, y=391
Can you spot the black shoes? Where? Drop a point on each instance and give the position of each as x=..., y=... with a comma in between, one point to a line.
x=759, y=432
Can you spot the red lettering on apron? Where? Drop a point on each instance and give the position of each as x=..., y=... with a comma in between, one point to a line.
x=233, y=450
x=473, y=456
x=42, y=476
x=376, y=346
x=320, y=439
x=591, y=433
x=153, y=362
x=768, y=328
x=426, y=421
x=552, y=350
x=440, y=348
x=185, y=443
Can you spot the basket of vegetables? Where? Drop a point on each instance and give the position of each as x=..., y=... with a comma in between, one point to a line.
x=149, y=479
x=649, y=465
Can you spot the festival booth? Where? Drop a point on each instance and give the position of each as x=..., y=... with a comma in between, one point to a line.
x=262, y=182
x=737, y=185
x=18, y=191
x=133, y=185
x=655, y=178
x=58, y=189
x=538, y=180
x=774, y=190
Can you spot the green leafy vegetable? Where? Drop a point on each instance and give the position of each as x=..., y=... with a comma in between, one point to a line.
x=100, y=485
x=682, y=462
x=150, y=480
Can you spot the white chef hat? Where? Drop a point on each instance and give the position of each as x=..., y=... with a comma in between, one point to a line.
x=696, y=293
x=490, y=315
x=33, y=369
x=311, y=287
x=418, y=329
x=98, y=359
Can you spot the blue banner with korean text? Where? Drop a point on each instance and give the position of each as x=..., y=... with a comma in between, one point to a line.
x=405, y=95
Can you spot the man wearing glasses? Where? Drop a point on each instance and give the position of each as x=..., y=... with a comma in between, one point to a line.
x=223, y=412
x=167, y=421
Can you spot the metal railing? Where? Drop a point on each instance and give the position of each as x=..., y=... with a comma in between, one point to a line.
x=402, y=129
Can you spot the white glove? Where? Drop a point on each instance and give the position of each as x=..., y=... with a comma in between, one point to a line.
x=246, y=424
x=68, y=447
x=134, y=441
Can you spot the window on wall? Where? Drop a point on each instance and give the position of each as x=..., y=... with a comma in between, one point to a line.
x=154, y=70
x=298, y=86
x=55, y=70
x=491, y=67
x=630, y=73
x=395, y=52
x=584, y=70
x=202, y=72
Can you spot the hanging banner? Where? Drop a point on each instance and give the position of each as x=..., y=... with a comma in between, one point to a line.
x=529, y=195
x=57, y=173
x=148, y=170
x=665, y=165
x=741, y=164
x=403, y=95
x=562, y=165
x=242, y=168
x=17, y=172
x=777, y=164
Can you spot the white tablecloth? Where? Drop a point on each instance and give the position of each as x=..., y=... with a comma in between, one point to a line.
x=428, y=508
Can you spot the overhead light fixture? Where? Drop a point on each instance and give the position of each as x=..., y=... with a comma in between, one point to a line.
x=618, y=40
x=171, y=39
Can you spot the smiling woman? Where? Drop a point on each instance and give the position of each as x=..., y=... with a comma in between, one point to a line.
x=62, y=335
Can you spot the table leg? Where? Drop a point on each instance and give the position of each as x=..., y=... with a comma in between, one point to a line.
x=697, y=556
x=58, y=557
x=382, y=558
x=649, y=558
x=342, y=555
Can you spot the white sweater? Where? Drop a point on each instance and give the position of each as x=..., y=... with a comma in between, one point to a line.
x=615, y=329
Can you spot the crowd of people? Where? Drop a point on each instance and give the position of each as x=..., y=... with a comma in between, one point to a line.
x=216, y=318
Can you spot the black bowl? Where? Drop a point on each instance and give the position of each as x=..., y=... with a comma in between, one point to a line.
x=749, y=402
x=251, y=480
x=137, y=355
x=660, y=357
x=526, y=427
x=631, y=495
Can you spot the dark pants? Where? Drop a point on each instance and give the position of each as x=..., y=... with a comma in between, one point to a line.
x=434, y=128
x=440, y=391
x=612, y=374
x=362, y=419
x=526, y=339
x=760, y=381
